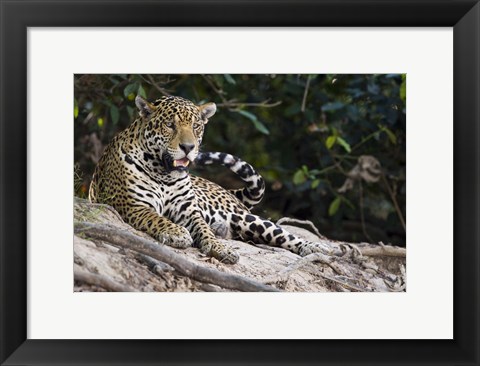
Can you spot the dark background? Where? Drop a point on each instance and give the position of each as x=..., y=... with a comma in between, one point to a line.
x=303, y=133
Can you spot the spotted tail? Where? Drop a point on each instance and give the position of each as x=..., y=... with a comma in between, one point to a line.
x=254, y=190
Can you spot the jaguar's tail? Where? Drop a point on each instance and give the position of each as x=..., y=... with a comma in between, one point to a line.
x=254, y=190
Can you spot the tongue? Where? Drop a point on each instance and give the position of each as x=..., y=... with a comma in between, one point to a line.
x=181, y=162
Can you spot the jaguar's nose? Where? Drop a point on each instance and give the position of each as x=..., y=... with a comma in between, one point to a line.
x=186, y=148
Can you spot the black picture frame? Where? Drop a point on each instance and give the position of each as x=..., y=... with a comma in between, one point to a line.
x=18, y=15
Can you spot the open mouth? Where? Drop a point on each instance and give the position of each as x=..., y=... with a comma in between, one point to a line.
x=181, y=163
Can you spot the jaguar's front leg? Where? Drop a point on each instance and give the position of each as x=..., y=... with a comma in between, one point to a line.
x=205, y=239
x=146, y=219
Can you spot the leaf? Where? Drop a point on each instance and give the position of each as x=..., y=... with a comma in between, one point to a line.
x=315, y=183
x=258, y=125
x=344, y=144
x=115, y=114
x=130, y=111
x=332, y=106
x=75, y=109
x=249, y=115
x=403, y=89
x=334, y=206
x=299, y=177
x=261, y=127
x=130, y=89
x=391, y=135
x=141, y=92
x=229, y=78
x=330, y=141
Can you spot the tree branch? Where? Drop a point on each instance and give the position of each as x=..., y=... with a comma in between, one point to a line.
x=234, y=104
x=383, y=251
x=305, y=93
x=395, y=203
x=158, y=87
x=162, y=253
x=101, y=281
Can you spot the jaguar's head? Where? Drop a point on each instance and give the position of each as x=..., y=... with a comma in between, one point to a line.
x=173, y=129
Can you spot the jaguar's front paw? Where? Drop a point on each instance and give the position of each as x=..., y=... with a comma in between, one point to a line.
x=309, y=248
x=226, y=255
x=180, y=238
x=221, y=252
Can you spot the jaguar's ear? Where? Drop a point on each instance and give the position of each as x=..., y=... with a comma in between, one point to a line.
x=144, y=108
x=207, y=110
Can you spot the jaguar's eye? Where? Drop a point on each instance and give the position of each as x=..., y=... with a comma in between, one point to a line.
x=196, y=126
x=169, y=124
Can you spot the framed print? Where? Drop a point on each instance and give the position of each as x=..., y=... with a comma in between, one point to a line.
x=59, y=56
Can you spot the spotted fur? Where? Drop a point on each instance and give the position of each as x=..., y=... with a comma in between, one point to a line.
x=143, y=174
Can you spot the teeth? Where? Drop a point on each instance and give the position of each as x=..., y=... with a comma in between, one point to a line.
x=181, y=162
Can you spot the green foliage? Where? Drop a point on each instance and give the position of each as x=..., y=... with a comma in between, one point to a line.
x=303, y=133
x=344, y=144
x=230, y=79
x=115, y=114
x=299, y=177
x=334, y=206
x=403, y=88
x=75, y=108
x=331, y=140
x=258, y=125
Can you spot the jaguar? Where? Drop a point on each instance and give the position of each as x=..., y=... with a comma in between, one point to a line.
x=144, y=174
